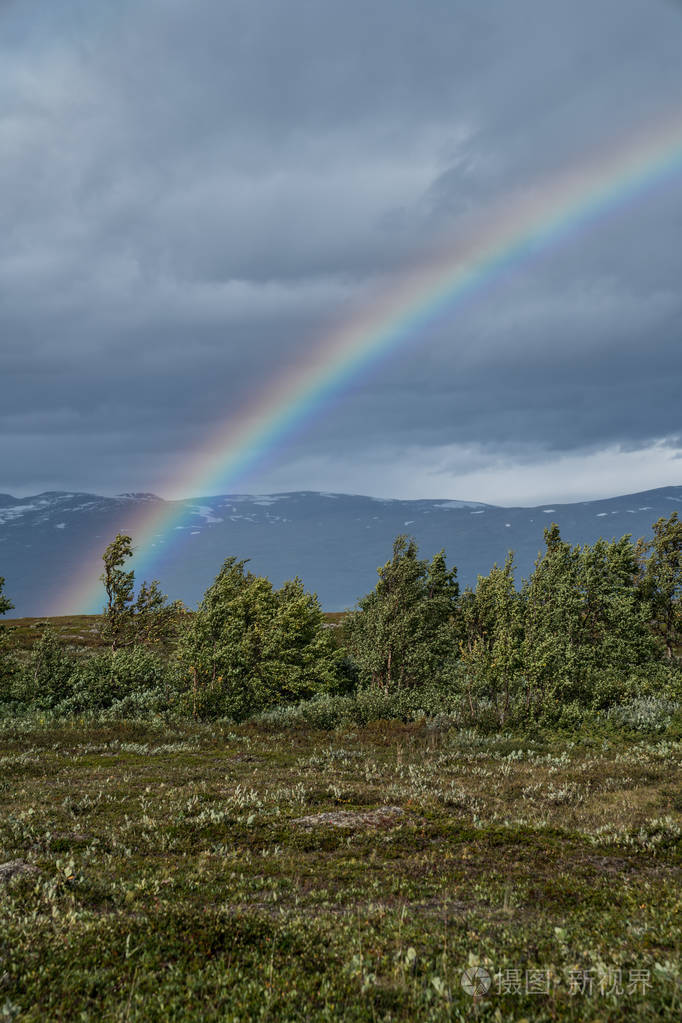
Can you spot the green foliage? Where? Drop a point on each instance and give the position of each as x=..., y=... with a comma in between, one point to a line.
x=182, y=872
x=437, y=704
x=594, y=627
x=127, y=620
x=662, y=582
x=586, y=622
x=47, y=677
x=615, y=616
x=402, y=634
x=8, y=665
x=132, y=683
x=5, y=603
x=250, y=646
x=492, y=637
x=552, y=621
x=644, y=714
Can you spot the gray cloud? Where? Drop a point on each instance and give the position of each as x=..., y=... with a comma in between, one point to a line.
x=192, y=195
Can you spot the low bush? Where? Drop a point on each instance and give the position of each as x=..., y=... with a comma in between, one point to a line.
x=644, y=714
x=129, y=683
x=370, y=704
x=444, y=709
x=134, y=682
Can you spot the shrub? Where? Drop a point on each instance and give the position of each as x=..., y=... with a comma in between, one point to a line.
x=401, y=635
x=368, y=704
x=46, y=679
x=8, y=664
x=250, y=647
x=644, y=714
x=127, y=620
x=131, y=683
x=492, y=634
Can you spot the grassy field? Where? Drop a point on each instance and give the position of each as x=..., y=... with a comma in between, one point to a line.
x=184, y=873
x=82, y=631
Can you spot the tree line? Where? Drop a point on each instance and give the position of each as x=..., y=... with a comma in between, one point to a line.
x=591, y=626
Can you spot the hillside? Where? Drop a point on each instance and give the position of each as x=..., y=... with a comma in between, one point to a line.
x=155, y=871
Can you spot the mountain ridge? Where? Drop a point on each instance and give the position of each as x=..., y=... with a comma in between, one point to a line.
x=149, y=495
x=333, y=541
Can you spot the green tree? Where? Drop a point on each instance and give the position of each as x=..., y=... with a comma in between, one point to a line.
x=249, y=646
x=402, y=632
x=662, y=582
x=5, y=603
x=128, y=620
x=615, y=615
x=47, y=675
x=8, y=664
x=552, y=623
x=492, y=638
x=585, y=621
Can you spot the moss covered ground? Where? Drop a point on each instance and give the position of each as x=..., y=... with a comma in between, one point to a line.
x=162, y=873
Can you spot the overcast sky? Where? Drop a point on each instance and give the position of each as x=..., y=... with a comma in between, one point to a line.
x=192, y=192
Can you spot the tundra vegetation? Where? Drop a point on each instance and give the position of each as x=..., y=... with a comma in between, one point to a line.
x=256, y=811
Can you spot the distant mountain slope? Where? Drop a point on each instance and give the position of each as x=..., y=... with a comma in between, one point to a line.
x=334, y=542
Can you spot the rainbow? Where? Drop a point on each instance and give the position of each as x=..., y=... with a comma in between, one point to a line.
x=518, y=231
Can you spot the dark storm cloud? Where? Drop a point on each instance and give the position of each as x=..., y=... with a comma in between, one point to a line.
x=192, y=194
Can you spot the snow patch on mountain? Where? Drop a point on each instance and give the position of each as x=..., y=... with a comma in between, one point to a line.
x=266, y=499
x=9, y=514
x=206, y=513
